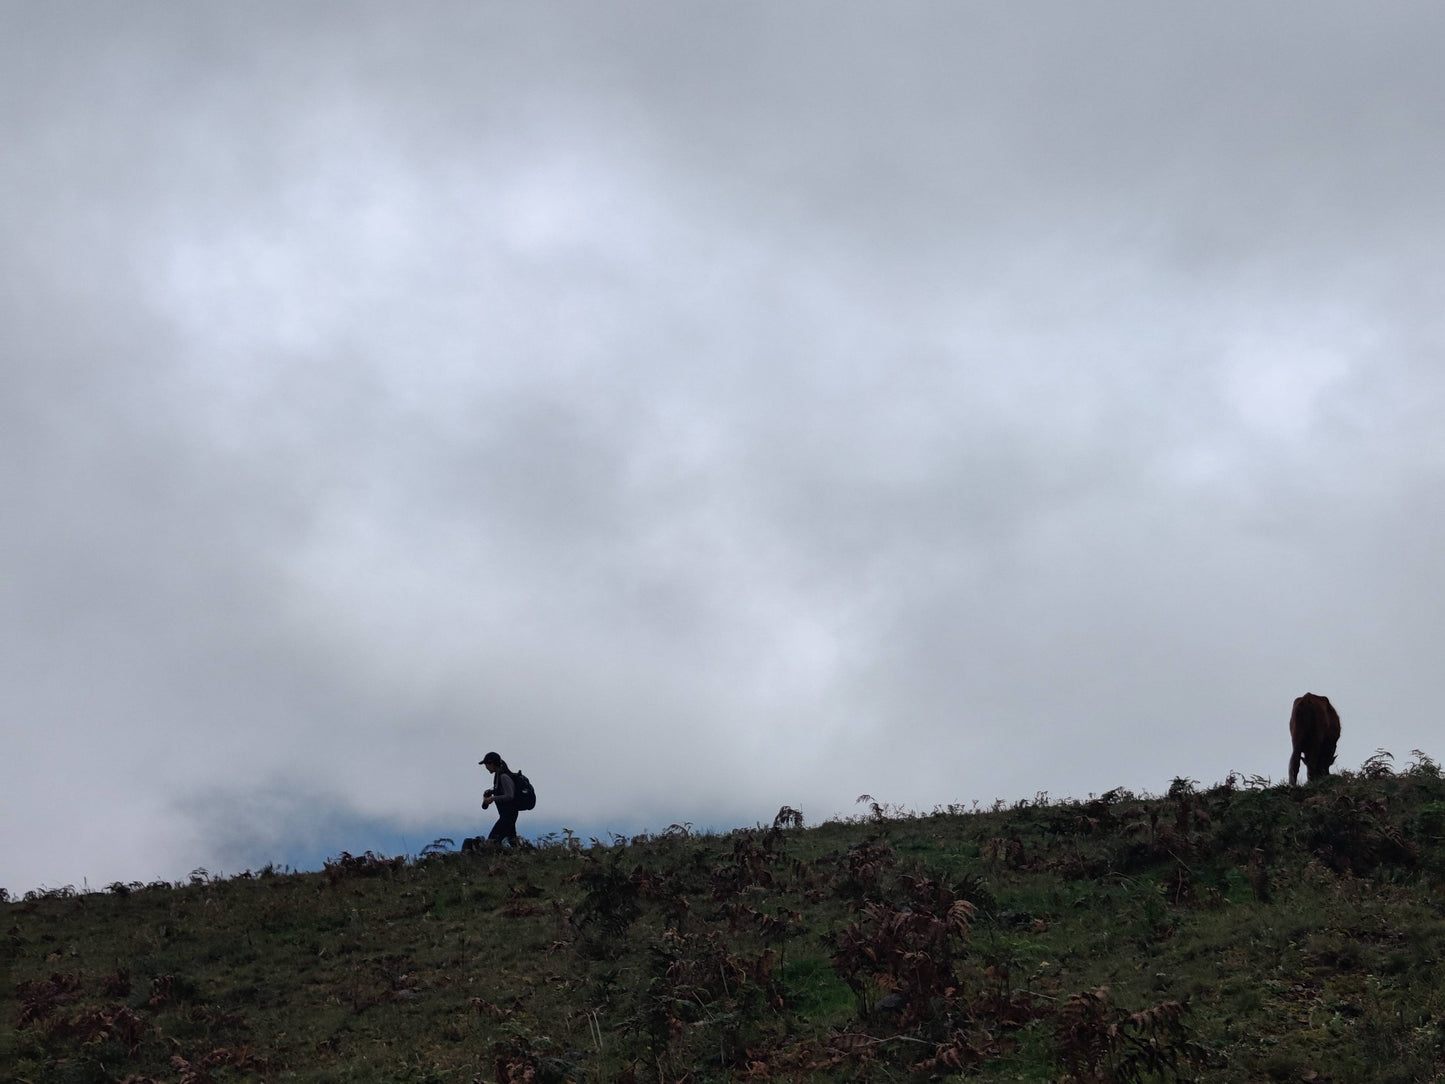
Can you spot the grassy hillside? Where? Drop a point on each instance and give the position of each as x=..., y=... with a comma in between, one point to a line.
x=1239, y=932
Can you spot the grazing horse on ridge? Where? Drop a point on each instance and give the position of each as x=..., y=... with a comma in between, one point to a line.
x=1314, y=729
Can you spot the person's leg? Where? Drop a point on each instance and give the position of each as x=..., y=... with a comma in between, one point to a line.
x=505, y=828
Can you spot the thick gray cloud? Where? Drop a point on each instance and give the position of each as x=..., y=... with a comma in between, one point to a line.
x=710, y=407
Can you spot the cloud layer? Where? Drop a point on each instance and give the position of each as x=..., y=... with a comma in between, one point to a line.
x=709, y=411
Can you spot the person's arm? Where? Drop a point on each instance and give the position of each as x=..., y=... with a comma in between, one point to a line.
x=505, y=789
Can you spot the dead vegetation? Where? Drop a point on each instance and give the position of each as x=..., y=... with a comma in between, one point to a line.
x=1240, y=932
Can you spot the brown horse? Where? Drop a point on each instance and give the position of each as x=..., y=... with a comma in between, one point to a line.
x=1314, y=729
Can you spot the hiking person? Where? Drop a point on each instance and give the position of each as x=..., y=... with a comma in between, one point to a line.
x=502, y=794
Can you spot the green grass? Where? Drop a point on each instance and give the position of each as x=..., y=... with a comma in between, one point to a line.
x=1237, y=933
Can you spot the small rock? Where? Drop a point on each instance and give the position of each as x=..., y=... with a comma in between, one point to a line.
x=894, y=1002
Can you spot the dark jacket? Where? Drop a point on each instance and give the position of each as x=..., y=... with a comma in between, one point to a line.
x=504, y=790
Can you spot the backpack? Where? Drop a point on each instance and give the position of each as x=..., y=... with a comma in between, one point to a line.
x=525, y=797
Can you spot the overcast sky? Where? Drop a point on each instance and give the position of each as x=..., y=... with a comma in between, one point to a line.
x=708, y=406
